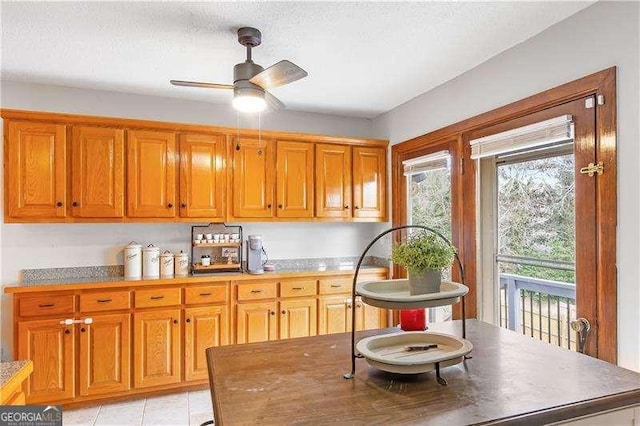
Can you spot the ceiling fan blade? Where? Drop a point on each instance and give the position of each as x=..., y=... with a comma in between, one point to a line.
x=200, y=84
x=284, y=72
x=273, y=103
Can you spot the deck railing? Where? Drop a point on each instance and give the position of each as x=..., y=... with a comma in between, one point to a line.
x=542, y=309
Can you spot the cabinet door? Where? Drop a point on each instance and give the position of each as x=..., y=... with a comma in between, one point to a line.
x=50, y=346
x=298, y=318
x=333, y=181
x=252, y=178
x=156, y=353
x=369, y=183
x=97, y=172
x=333, y=315
x=369, y=317
x=256, y=322
x=202, y=180
x=204, y=327
x=105, y=354
x=35, y=170
x=294, y=179
x=151, y=174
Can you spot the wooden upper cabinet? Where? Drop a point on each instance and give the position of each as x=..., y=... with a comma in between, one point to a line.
x=151, y=174
x=35, y=170
x=369, y=183
x=333, y=181
x=202, y=182
x=294, y=179
x=97, y=177
x=252, y=178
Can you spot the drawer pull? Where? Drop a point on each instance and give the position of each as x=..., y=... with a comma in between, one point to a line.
x=256, y=291
x=157, y=297
x=336, y=285
x=47, y=305
x=205, y=294
x=104, y=300
x=297, y=288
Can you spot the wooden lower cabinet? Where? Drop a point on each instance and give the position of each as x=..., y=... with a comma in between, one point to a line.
x=256, y=322
x=332, y=316
x=335, y=315
x=105, y=353
x=157, y=348
x=298, y=318
x=51, y=347
x=204, y=327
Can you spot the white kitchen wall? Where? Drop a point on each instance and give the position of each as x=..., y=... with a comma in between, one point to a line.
x=598, y=37
x=46, y=246
x=51, y=246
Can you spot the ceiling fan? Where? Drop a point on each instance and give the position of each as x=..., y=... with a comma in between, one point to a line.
x=251, y=81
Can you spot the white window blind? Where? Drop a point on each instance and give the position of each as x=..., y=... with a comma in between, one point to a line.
x=434, y=161
x=548, y=132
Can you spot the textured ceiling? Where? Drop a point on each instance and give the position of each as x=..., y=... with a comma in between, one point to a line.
x=363, y=58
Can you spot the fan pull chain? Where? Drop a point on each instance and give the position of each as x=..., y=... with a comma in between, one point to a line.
x=238, y=131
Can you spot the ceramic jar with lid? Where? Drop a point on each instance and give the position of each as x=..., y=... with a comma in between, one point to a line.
x=166, y=264
x=133, y=261
x=181, y=263
x=151, y=262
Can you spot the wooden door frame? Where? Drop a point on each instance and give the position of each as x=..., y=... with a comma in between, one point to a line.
x=603, y=84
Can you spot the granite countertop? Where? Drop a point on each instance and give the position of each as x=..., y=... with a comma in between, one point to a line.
x=290, y=268
x=8, y=369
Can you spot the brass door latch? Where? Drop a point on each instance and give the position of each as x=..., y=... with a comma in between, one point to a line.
x=593, y=168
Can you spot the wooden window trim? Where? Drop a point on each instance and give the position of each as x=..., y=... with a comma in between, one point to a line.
x=600, y=83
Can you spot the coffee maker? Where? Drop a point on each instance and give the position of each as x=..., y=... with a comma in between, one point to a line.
x=254, y=254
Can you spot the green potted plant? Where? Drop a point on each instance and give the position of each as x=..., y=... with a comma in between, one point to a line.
x=425, y=255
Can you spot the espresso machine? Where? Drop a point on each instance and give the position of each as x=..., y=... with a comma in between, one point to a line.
x=254, y=254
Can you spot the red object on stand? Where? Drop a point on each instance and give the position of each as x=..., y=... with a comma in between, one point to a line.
x=413, y=320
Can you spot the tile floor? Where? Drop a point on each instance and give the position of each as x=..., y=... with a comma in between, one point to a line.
x=187, y=408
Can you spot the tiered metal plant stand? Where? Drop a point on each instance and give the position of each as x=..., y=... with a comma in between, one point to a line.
x=394, y=294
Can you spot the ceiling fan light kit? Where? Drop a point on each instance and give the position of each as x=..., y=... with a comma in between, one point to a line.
x=251, y=80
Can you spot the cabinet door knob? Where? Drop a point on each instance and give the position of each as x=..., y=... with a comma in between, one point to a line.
x=175, y=321
x=284, y=312
x=59, y=204
x=188, y=319
x=67, y=331
x=74, y=204
x=279, y=206
x=356, y=207
x=83, y=329
x=170, y=205
x=268, y=206
x=346, y=207
x=272, y=312
x=183, y=205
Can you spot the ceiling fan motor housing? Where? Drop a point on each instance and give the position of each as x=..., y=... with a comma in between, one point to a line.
x=245, y=71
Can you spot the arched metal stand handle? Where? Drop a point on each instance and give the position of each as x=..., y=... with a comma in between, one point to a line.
x=353, y=294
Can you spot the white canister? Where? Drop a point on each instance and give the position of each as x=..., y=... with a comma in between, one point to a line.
x=151, y=262
x=181, y=262
x=132, y=261
x=166, y=264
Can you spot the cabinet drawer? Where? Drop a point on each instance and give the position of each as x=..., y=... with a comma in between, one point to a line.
x=112, y=300
x=298, y=288
x=45, y=305
x=335, y=285
x=206, y=294
x=254, y=291
x=157, y=297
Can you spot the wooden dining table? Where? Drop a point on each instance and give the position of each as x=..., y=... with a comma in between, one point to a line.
x=509, y=379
